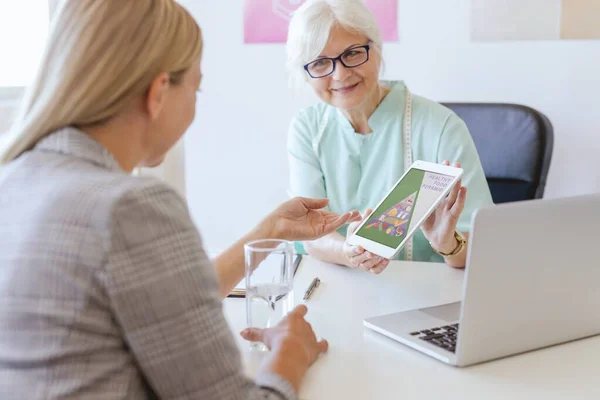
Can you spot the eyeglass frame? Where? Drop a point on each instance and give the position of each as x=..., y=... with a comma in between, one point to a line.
x=334, y=60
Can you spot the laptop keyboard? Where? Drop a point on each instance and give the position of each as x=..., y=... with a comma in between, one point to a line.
x=441, y=336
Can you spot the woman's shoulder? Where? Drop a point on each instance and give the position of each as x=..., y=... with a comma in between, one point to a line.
x=106, y=193
x=132, y=210
x=425, y=111
x=305, y=125
x=433, y=111
x=432, y=119
x=313, y=114
x=146, y=190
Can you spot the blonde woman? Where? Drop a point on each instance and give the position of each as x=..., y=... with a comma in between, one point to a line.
x=364, y=134
x=105, y=289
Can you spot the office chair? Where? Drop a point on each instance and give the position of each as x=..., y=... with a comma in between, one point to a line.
x=514, y=143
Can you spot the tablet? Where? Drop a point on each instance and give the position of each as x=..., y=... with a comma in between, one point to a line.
x=405, y=207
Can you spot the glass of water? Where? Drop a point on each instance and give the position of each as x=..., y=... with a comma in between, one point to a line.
x=269, y=283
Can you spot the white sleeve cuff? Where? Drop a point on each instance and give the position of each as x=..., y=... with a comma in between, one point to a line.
x=276, y=383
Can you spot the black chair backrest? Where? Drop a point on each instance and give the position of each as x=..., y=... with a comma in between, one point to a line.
x=514, y=143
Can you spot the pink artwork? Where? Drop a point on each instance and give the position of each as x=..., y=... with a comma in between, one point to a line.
x=266, y=21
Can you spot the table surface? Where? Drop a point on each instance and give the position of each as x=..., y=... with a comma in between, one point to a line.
x=362, y=364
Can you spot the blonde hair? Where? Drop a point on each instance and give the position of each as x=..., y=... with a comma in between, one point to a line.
x=100, y=55
x=311, y=25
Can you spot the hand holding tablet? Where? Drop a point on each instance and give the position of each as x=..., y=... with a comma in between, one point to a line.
x=406, y=206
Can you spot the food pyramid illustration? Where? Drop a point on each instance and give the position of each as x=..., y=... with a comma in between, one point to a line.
x=394, y=221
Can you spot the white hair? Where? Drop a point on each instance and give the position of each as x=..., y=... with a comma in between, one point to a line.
x=311, y=25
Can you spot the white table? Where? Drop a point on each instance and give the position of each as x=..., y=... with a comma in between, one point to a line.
x=362, y=364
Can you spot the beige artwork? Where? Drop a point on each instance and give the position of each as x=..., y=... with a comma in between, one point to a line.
x=499, y=20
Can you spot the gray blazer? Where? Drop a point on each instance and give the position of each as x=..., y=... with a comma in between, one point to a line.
x=105, y=290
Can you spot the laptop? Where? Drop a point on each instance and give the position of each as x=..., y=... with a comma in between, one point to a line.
x=532, y=280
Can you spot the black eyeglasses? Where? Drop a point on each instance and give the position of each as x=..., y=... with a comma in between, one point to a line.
x=350, y=58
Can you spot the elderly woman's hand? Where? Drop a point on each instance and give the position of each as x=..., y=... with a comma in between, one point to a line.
x=357, y=257
x=304, y=219
x=439, y=228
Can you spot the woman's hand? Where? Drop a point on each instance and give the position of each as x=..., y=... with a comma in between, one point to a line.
x=291, y=330
x=439, y=228
x=293, y=344
x=357, y=257
x=303, y=219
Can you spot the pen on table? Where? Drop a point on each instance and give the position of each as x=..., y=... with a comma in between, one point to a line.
x=313, y=285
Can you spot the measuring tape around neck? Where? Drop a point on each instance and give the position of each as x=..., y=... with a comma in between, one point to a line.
x=408, y=157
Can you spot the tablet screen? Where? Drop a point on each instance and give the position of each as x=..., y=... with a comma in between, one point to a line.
x=406, y=204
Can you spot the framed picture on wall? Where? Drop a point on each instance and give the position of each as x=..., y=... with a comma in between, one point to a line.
x=501, y=20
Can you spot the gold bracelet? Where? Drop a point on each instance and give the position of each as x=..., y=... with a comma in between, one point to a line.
x=459, y=247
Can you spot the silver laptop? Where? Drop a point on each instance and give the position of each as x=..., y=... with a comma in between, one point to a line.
x=532, y=281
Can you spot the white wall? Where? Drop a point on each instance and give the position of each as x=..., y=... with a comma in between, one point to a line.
x=236, y=165
x=172, y=170
x=9, y=100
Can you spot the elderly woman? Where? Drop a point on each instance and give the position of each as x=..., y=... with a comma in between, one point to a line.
x=357, y=142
